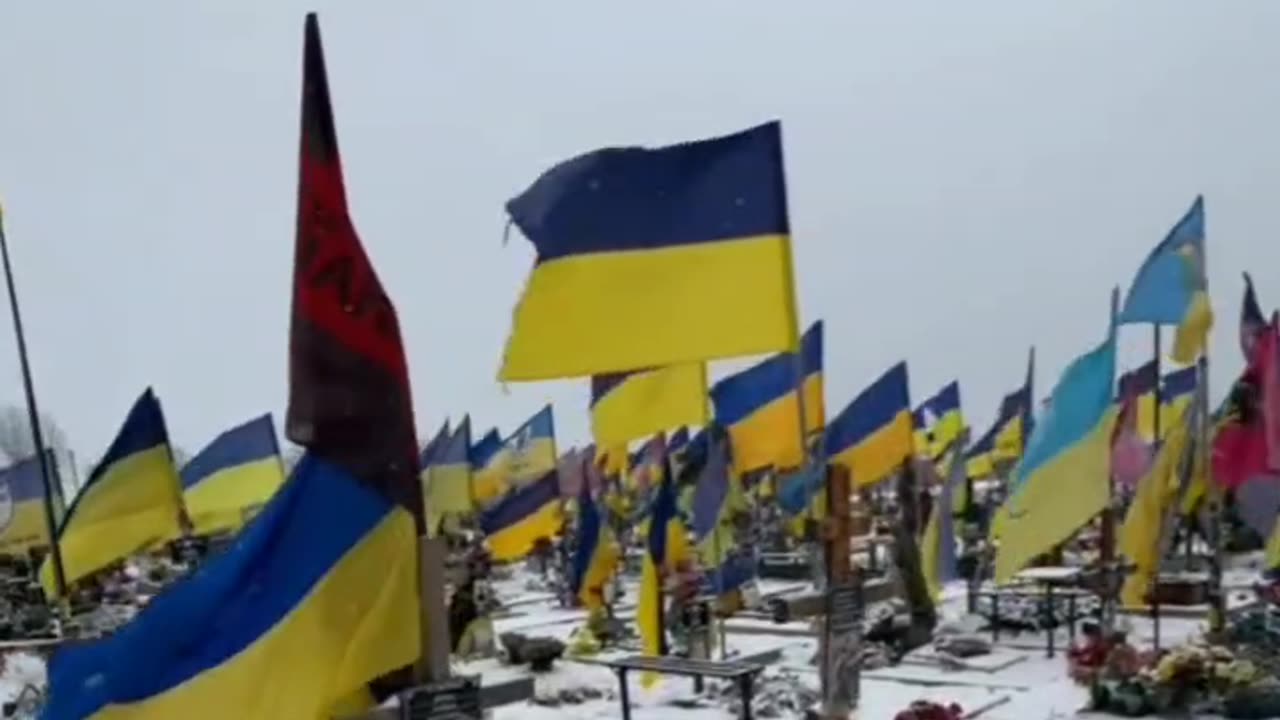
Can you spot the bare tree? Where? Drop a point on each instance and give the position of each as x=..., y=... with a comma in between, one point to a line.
x=15, y=434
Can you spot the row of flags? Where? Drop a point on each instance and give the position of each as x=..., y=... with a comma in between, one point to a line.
x=136, y=498
x=650, y=263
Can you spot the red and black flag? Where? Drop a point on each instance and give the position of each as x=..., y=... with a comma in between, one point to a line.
x=1252, y=322
x=349, y=398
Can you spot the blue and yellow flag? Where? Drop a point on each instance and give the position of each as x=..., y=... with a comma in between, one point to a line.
x=233, y=477
x=1002, y=444
x=1140, y=384
x=532, y=448
x=516, y=522
x=938, y=421
x=1063, y=479
x=1139, y=537
x=131, y=501
x=595, y=559
x=1171, y=288
x=302, y=594
x=631, y=405
x=434, y=444
x=655, y=257
x=489, y=444
x=938, y=544
x=646, y=466
x=23, y=523
x=760, y=409
x=490, y=469
x=665, y=546
x=873, y=436
x=715, y=497
x=1177, y=389
x=448, y=478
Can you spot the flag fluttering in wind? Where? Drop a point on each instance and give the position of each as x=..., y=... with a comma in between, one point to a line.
x=938, y=543
x=1002, y=444
x=1063, y=479
x=938, y=421
x=1171, y=288
x=1157, y=490
x=132, y=500
x=596, y=557
x=318, y=596
x=655, y=257
x=873, y=436
x=233, y=476
x=631, y=405
x=760, y=408
x=665, y=548
x=22, y=494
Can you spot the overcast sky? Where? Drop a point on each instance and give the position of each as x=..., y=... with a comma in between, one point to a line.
x=966, y=179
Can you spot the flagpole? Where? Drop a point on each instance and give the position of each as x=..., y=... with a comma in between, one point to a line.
x=1153, y=589
x=1109, y=513
x=33, y=417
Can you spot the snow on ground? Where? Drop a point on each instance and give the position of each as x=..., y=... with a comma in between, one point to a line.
x=1036, y=686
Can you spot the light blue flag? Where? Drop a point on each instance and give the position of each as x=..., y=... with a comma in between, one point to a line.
x=1081, y=399
x=1171, y=275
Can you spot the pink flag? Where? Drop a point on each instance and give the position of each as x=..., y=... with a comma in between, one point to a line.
x=1130, y=453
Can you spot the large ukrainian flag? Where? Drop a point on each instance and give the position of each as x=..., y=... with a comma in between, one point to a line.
x=515, y=524
x=655, y=257
x=938, y=421
x=630, y=405
x=288, y=622
x=1063, y=479
x=131, y=501
x=873, y=436
x=232, y=477
x=762, y=413
x=23, y=523
x=447, y=489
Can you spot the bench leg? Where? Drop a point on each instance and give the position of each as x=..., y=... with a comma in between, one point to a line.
x=625, y=695
x=745, y=683
x=1050, y=620
x=995, y=616
x=1071, y=619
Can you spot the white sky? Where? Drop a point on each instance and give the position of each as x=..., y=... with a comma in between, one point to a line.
x=966, y=179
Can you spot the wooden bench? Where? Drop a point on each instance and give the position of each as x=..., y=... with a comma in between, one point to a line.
x=743, y=673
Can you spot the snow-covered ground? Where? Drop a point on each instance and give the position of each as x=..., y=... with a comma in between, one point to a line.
x=1036, y=687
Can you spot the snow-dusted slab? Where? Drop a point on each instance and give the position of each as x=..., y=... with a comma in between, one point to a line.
x=998, y=659
x=1053, y=573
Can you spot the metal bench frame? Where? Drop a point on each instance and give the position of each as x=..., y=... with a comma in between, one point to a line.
x=740, y=672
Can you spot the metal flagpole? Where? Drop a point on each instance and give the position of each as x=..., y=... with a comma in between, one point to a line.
x=1156, y=442
x=33, y=416
x=1108, y=552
